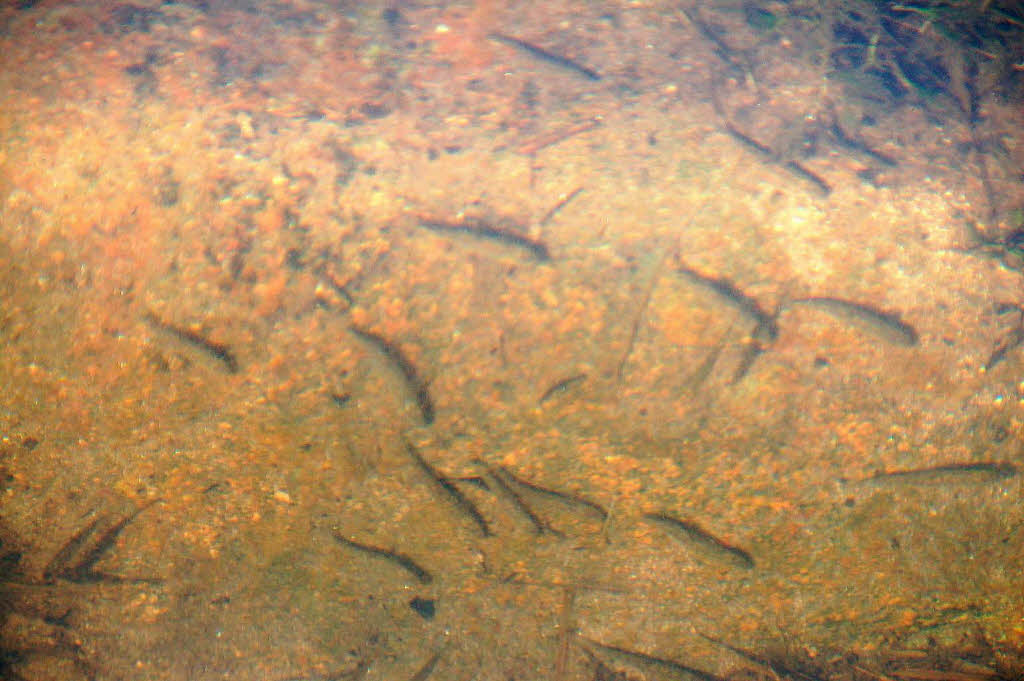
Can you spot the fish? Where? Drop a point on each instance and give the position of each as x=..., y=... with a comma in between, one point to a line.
x=546, y=55
x=767, y=325
x=450, y=490
x=561, y=386
x=400, y=559
x=409, y=372
x=486, y=230
x=994, y=469
x=216, y=350
x=888, y=326
x=701, y=537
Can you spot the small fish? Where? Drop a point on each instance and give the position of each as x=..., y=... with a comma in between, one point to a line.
x=409, y=372
x=662, y=663
x=858, y=145
x=704, y=369
x=993, y=469
x=214, y=349
x=505, y=485
x=701, y=537
x=887, y=325
x=451, y=491
x=1011, y=342
x=76, y=560
x=400, y=559
x=779, y=669
x=803, y=171
x=561, y=386
x=560, y=205
x=638, y=316
x=711, y=33
x=486, y=230
x=766, y=322
x=564, y=497
x=424, y=672
x=771, y=156
x=545, y=55
x=749, y=142
x=752, y=349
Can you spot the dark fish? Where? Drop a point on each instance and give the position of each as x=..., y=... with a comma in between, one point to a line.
x=803, y=171
x=555, y=494
x=858, y=145
x=505, y=485
x=400, y=559
x=781, y=670
x=749, y=142
x=451, y=491
x=76, y=560
x=487, y=230
x=559, y=206
x=698, y=535
x=412, y=377
x=704, y=369
x=770, y=155
x=641, y=310
x=424, y=672
x=887, y=325
x=656, y=662
x=994, y=469
x=219, y=351
x=766, y=323
x=1013, y=341
x=752, y=349
x=545, y=55
x=724, y=51
x=560, y=387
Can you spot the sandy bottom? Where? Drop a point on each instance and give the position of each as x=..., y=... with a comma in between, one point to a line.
x=356, y=342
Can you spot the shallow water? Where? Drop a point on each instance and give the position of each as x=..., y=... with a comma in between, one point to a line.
x=351, y=342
